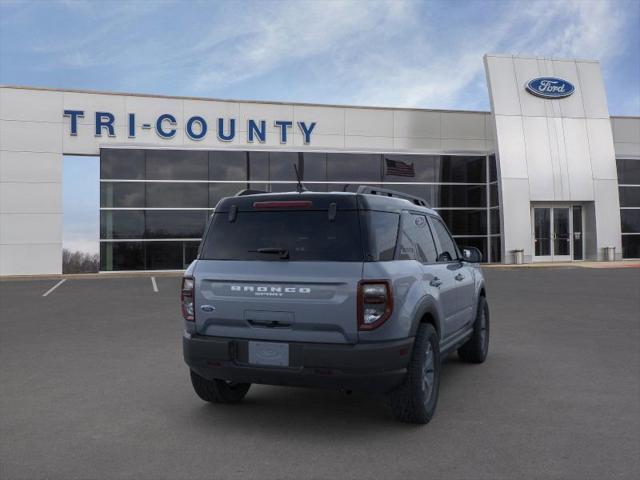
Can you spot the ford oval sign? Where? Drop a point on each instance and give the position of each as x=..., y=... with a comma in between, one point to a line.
x=550, y=87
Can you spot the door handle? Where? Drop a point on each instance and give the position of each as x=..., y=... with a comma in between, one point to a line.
x=459, y=277
x=436, y=282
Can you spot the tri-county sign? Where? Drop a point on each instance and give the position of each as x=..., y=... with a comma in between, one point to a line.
x=196, y=127
x=550, y=87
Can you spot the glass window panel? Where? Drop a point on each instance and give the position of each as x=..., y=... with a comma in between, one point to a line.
x=496, y=249
x=281, y=165
x=218, y=191
x=165, y=255
x=425, y=245
x=177, y=165
x=382, y=233
x=347, y=167
x=443, y=196
x=631, y=246
x=494, y=217
x=121, y=224
x=119, y=195
x=465, y=222
x=628, y=171
x=226, y=165
x=410, y=168
x=177, y=195
x=259, y=166
x=629, y=196
x=493, y=193
x=122, y=256
x=479, y=242
x=630, y=221
x=125, y=164
x=305, y=235
x=190, y=252
x=461, y=169
x=493, y=169
x=315, y=167
x=175, y=223
x=446, y=245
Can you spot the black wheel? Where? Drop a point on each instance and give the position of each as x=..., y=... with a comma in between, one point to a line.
x=415, y=400
x=218, y=391
x=477, y=347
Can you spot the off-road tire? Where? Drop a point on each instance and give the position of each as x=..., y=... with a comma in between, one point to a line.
x=475, y=350
x=414, y=401
x=218, y=391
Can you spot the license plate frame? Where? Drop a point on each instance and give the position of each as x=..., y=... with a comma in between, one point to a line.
x=269, y=354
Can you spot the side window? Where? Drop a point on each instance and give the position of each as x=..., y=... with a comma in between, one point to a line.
x=407, y=251
x=416, y=242
x=426, y=248
x=447, y=250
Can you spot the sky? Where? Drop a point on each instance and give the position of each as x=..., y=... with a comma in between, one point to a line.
x=386, y=53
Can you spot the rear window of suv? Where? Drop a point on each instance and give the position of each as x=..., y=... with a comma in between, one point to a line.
x=284, y=235
x=302, y=235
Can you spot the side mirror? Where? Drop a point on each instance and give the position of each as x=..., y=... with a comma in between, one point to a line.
x=471, y=255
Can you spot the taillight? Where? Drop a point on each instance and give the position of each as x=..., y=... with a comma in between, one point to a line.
x=375, y=303
x=186, y=298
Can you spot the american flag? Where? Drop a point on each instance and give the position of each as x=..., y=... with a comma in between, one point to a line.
x=399, y=168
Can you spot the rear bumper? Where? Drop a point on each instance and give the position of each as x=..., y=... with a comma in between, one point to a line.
x=371, y=367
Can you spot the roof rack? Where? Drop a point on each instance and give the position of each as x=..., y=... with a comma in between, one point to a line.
x=248, y=191
x=392, y=193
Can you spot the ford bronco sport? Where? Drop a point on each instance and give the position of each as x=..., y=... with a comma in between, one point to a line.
x=356, y=291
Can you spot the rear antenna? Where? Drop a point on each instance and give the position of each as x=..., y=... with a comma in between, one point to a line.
x=300, y=187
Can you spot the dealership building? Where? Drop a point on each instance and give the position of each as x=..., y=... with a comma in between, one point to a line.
x=546, y=175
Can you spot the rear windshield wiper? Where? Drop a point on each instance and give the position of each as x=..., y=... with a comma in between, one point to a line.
x=283, y=252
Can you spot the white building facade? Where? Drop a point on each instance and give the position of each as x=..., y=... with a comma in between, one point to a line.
x=546, y=175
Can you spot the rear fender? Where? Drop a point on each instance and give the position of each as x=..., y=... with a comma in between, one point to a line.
x=428, y=307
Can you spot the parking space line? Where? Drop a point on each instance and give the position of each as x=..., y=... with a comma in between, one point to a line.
x=154, y=284
x=54, y=287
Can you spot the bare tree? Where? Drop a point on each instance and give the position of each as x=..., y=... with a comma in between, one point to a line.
x=79, y=262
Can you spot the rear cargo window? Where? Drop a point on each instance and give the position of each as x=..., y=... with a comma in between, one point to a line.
x=284, y=236
x=382, y=233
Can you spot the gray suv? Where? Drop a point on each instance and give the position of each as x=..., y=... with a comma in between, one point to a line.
x=361, y=291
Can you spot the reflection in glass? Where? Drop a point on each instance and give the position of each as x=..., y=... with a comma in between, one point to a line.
x=124, y=164
x=175, y=223
x=177, y=165
x=631, y=246
x=465, y=222
x=225, y=165
x=122, y=256
x=165, y=255
x=630, y=221
x=346, y=167
x=629, y=196
x=119, y=195
x=177, y=195
x=542, y=231
x=561, y=234
x=121, y=224
x=628, y=171
x=577, y=232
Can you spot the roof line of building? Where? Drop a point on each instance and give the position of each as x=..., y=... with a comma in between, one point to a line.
x=210, y=99
x=261, y=102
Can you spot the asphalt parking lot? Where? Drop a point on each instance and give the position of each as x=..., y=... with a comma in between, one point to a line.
x=92, y=385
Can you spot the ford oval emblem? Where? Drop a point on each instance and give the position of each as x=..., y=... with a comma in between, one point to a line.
x=550, y=87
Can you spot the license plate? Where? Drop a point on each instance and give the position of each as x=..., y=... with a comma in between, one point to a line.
x=269, y=353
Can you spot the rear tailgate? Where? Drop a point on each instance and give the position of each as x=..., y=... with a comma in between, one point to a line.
x=278, y=300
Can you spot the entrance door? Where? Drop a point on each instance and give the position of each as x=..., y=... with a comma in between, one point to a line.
x=557, y=233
